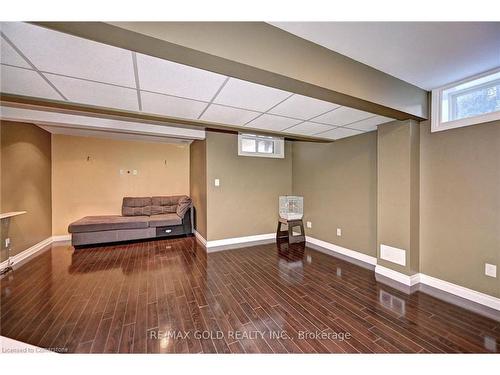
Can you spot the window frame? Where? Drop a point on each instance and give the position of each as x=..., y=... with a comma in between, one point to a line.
x=278, y=146
x=437, y=109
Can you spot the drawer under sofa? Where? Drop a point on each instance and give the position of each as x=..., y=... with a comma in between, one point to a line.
x=172, y=230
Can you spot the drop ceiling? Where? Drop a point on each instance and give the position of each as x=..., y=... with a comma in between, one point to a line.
x=43, y=63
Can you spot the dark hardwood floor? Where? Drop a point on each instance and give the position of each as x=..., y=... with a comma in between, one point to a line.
x=169, y=296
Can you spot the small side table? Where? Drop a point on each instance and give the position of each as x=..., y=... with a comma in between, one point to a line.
x=289, y=233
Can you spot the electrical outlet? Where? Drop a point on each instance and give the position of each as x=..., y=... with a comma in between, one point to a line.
x=122, y=171
x=490, y=270
x=134, y=172
x=339, y=232
x=217, y=182
x=309, y=224
x=7, y=242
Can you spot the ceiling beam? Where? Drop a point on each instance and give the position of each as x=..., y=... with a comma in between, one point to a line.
x=49, y=105
x=264, y=54
x=97, y=124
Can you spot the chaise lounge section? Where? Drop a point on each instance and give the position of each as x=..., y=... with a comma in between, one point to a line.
x=141, y=218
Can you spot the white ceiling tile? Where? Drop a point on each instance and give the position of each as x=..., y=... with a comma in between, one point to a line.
x=339, y=133
x=369, y=124
x=228, y=115
x=309, y=128
x=272, y=122
x=176, y=79
x=26, y=82
x=171, y=106
x=9, y=56
x=56, y=52
x=93, y=93
x=302, y=107
x=343, y=116
x=248, y=95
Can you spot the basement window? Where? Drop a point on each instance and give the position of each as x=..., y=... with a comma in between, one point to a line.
x=261, y=146
x=469, y=102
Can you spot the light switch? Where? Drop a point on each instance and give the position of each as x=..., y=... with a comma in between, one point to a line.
x=309, y=224
x=217, y=182
x=134, y=172
x=490, y=270
x=339, y=232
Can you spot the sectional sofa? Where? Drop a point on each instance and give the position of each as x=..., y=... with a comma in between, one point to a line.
x=141, y=218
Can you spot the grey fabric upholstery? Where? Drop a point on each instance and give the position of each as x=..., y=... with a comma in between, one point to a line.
x=160, y=210
x=137, y=221
x=167, y=200
x=164, y=204
x=111, y=222
x=136, y=206
x=164, y=220
x=183, y=205
x=98, y=237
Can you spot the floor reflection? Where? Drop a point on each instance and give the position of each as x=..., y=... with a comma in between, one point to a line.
x=490, y=344
x=392, y=303
x=291, y=261
x=114, y=298
x=138, y=257
x=339, y=272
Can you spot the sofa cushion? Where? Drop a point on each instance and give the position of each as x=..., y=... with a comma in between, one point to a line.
x=164, y=220
x=136, y=206
x=165, y=204
x=159, y=210
x=109, y=222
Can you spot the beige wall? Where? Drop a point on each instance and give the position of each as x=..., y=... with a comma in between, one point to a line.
x=198, y=184
x=25, y=184
x=457, y=208
x=82, y=187
x=439, y=194
x=460, y=205
x=398, y=191
x=246, y=202
x=339, y=184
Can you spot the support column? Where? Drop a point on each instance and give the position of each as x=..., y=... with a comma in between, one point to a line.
x=398, y=170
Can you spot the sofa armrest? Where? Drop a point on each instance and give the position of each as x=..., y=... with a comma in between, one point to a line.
x=183, y=206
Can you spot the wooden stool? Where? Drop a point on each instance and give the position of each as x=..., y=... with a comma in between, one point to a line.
x=289, y=233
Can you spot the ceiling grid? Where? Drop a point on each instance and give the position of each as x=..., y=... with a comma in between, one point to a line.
x=92, y=73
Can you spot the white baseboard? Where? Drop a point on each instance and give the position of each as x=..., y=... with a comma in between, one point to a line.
x=235, y=242
x=228, y=243
x=445, y=286
x=342, y=250
x=469, y=294
x=28, y=253
x=33, y=250
x=411, y=280
x=60, y=238
x=408, y=280
x=200, y=238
